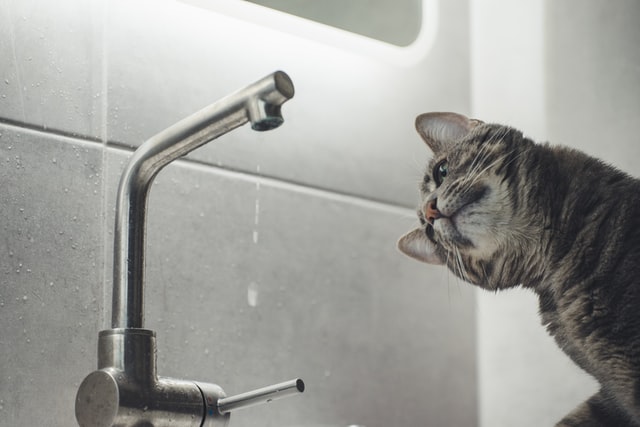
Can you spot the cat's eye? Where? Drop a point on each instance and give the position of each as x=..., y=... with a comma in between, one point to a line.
x=440, y=171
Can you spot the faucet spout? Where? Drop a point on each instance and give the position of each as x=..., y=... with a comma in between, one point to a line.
x=259, y=103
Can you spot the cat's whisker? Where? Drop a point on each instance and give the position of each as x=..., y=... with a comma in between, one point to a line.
x=478, y=160
x=454, y=268
x=500, y=159
x=461, y=268
x=475, y=178
x=475, y=173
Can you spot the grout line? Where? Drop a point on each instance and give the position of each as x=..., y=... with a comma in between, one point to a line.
x=16, y=63
x=292, y=186
x=104, y=136
x=271, y=181
x=47, y=130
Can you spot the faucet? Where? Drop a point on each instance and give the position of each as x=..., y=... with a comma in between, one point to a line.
x=126, y=390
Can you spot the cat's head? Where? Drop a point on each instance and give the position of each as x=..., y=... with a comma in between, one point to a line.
x=468, y=211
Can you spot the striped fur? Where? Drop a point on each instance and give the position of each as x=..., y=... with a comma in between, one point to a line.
x=510, y=213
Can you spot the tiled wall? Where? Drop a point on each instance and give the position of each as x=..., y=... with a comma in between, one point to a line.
x=270, y=255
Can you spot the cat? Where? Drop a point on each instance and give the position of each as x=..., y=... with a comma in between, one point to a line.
x=501, y=211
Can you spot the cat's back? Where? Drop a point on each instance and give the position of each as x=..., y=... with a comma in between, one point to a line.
x=592, y=304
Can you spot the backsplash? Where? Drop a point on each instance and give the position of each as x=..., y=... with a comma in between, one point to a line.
x=270, y=256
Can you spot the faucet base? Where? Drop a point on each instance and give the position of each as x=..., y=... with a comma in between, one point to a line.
x=126, y=391
x=107, y=397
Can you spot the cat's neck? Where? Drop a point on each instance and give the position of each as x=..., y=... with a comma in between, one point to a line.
x=580, y=232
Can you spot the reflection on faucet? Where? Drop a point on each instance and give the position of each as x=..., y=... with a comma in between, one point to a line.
x=126, y=390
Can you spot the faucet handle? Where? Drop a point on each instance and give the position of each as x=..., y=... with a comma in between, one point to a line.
x=218, y=406
x=261, y=395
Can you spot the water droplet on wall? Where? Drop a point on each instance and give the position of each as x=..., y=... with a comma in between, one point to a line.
x=252, y=294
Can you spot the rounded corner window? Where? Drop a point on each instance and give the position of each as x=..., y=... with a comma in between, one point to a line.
x=397, y=22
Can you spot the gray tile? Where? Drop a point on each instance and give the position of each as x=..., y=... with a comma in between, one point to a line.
x=252, y=282
x=51, y=72
x=51, y=262
x=350, y=126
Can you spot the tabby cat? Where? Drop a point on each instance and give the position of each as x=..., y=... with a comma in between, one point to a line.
x=501, y=211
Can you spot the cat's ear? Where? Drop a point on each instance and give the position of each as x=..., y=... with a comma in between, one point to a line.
x=439, y=129
x=416, y=245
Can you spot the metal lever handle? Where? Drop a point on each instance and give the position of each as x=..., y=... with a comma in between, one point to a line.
x=261, y=395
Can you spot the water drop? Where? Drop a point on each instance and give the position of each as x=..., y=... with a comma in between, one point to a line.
x=206, y=351
x=256, y=218
x=25, y=298
x=252, y=294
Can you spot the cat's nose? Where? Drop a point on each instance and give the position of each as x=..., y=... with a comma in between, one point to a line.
x=431, y=212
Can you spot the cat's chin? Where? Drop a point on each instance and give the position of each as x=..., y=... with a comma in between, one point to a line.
x=417, y=245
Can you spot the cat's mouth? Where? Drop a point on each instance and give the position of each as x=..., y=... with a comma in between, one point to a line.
x=455, y=239
x=428, y=228
x=450, y=229
x=451, y=235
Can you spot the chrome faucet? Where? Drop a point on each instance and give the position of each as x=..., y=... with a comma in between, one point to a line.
x=126, y=389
